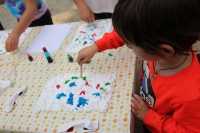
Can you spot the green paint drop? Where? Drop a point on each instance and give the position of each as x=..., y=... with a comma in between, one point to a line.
x=67, y=81
x=106, y=84
x=109, y=54
x=84, y=78
x=70, y=58
x=102, y=89
x=74, y=77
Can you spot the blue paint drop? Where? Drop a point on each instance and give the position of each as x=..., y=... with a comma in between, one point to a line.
x=82, y=101
x=72, y=84
x=96, y=94
x=0, y=50
x=91, y=39
x=84, y=37
x=70, y=100
x=60, y=95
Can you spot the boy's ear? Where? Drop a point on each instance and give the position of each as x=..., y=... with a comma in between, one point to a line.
x=167, y=50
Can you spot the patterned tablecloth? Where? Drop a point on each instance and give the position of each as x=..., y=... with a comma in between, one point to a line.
x=36, y=73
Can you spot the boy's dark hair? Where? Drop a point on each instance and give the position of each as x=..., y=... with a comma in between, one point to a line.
x=149, y=23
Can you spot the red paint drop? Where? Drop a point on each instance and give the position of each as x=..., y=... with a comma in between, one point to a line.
x=58, y=86
x=93, y=35
x=82, y=92
x=70, y=129
x=98, y=85
x=87, y=84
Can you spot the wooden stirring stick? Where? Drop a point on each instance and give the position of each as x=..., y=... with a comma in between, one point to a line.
x=81, y=71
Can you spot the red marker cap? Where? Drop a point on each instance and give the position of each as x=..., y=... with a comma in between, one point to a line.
x=28, y=55
x=44, y=49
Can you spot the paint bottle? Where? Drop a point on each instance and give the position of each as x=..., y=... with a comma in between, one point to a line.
x=47, y=55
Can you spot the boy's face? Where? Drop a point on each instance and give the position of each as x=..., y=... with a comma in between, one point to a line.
x=140, y=53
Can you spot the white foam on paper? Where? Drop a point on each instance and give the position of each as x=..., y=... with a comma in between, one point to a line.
x=87, y=34
x=49, y=100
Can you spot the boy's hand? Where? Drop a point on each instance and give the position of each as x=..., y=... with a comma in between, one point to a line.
x=12, y=42
x=139, y=107
x=85, y=13
x=86, y=54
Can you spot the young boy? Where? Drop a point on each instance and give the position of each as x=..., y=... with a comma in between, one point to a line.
x=29, y=13
x=162, y=33
x=90, y=10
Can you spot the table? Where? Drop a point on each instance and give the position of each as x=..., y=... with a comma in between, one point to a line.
x=35, y=74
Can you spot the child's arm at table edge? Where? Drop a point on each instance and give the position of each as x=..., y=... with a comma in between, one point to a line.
x=109, y=41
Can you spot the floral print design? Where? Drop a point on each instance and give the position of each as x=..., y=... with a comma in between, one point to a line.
x=17, y=7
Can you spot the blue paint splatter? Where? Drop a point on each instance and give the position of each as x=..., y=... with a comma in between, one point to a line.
x=91, y=39
x=76, y=39
x=70, y=100
x=84, y=38
x=82, y=101
x=72, y=84
x=0, y=50
x=96, y=94
x=60, y=95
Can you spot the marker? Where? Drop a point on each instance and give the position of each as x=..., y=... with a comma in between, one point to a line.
x=46, y=53
x=70, y=59
x=30, y=57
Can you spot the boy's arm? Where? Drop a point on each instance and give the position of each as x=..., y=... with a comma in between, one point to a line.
x=84, y=12
x=186, y=119
x=25, y=20
x=109, y=41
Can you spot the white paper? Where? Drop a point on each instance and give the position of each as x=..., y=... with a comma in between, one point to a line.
x=50, y=37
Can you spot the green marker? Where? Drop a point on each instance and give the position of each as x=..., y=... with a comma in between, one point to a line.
x=70, y=58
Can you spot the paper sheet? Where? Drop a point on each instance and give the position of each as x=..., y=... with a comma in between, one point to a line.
x=50, y=37
x=87, y=34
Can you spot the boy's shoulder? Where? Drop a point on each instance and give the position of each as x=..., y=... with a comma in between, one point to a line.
x=181, y=87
